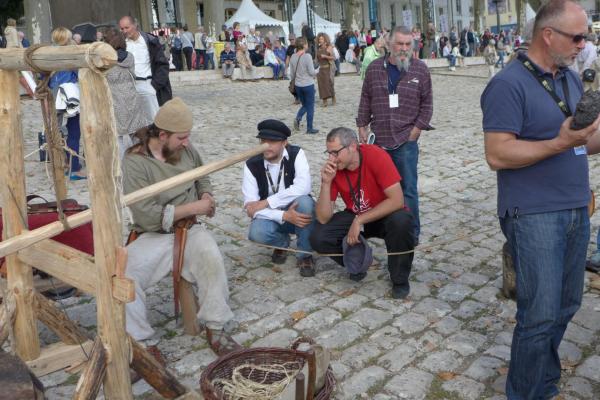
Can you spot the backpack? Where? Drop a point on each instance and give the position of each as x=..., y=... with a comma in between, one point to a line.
x=177, y=44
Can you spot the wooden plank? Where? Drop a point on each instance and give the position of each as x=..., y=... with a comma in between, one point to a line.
x=189, y=308
x=63, y=262
x=58, y=322
x=59, y=356
x=155, y=374
x=92, y=376
x=47, y=231
x=58, y=58
x=99, y=137
x=14, y=213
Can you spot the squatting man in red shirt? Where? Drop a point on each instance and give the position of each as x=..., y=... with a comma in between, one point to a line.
x=369, y=184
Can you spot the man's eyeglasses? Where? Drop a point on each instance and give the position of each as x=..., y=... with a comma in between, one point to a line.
x=578, y=38
x=335, y=153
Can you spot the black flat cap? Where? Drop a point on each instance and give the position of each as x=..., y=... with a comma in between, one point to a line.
x=273, y=129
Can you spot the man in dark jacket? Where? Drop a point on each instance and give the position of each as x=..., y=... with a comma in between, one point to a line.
x=150, y=64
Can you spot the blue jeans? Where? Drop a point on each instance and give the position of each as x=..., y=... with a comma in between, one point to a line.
x=406, y=158
x=73, y=137
x=500, y=58
x=452, y=60
x=270, y=232
x=201, y=53
x=277, y=68
x=306, y=95
x=549, y=251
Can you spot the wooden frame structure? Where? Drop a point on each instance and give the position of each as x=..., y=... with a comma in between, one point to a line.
x=112, y=351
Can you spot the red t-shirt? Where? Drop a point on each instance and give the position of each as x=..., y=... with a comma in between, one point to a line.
x=378, y=173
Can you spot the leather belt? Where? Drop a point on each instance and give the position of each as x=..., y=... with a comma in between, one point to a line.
x=137, y=78
x=180, y=228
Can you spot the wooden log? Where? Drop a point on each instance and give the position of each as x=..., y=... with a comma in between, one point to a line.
x=92, y=376
x=17, y=381
x=67, y=330
x=189, y=308
x=47, y=231
x=123, y=288
x=7, y=317
x=99, y=137
x=155, y=374
x=59, y=356
x=14, y=213
x=63, y=262
x=57, y=58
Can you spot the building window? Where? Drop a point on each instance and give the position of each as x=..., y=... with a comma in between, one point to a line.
x=441, y=11
x=419, y=16
x=458, y=7
x=199, y=13
x=229, y=13
x=393, y=11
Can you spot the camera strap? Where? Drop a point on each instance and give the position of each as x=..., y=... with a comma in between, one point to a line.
x=563, y=105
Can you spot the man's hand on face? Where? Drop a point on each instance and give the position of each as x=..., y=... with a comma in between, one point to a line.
x=354, y=232
x=252, y=207
x=328, y=172
x=208, y=197
x=296, y=218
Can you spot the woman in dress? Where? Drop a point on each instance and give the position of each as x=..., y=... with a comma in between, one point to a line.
x=325, y=77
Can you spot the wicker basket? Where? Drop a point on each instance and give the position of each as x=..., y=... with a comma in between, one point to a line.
x=223, y=368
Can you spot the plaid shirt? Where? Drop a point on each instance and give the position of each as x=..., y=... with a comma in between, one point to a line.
x=392, y=126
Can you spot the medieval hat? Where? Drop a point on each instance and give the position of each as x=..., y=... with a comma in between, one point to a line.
x=174, y=116
x=273, y=129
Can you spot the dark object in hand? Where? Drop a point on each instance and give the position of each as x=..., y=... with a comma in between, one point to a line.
x=587, y=110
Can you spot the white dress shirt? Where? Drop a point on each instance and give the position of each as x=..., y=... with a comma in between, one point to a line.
x=141, y=55
x=301, y=185
x=586, y=57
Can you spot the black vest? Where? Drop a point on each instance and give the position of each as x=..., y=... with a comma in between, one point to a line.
x=256, y=165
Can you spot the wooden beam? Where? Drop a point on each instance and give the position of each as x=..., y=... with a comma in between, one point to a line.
x=92, y=376
x=155, y=374
x=99, y=137
x=57, y=58
x=14, y=213
x=7, y=317
x=63, y=262
x=47, y=231
x=58, y=322
x=59, y=356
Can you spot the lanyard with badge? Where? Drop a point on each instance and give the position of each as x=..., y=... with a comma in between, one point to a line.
x=392, y=95
x=274, y=188
x=563, y=105
x=355, y=195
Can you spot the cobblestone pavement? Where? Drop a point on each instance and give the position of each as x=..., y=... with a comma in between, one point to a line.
x=449, y=340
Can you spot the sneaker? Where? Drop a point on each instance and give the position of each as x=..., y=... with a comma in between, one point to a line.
x=358, y=277
x=312, y=131
x=296, y=124
x=400, y=291
x=279, y=256
x=307, y=266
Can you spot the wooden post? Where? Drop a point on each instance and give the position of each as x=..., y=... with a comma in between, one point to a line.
x=189, y=308
x=55, y=319
x=92, y=376
x=155, y=374
x=57, y=154
x=14, y=213
x=99, y=137
x=7, y=317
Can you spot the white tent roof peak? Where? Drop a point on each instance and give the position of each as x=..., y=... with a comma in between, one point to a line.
x=321, y=24
x=248, y=14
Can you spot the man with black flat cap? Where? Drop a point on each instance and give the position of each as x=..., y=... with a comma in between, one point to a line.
x=276, y=188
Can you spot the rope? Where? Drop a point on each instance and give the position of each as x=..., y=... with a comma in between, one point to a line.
x=29, y=58
x=242, y=387
x=425, y=247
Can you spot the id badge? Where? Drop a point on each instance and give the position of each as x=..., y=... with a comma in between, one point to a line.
x=580, y=150
x=394, y=100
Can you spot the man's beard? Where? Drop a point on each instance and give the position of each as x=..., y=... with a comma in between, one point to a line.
x=561, y=61
x=171, y=156
x=403, y=64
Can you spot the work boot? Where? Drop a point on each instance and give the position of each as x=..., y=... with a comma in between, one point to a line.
x=400, y=291
x=279, y=256
x=306, y=266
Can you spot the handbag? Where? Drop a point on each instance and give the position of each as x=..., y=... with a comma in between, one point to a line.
x=292, y=86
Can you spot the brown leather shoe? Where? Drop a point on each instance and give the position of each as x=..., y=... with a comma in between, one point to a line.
x=306, y=266
x=220, y=342
x=279, y=256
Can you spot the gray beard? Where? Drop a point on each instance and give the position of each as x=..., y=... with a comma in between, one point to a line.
x=403, y=65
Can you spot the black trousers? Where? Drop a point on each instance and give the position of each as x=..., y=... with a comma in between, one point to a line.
x=395, y=229
x=187, y=51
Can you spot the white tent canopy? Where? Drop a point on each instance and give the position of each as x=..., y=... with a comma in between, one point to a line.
x=321, y=24
x=249, y=15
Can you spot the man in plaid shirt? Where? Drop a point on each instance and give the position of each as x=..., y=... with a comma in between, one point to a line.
x=397, y=103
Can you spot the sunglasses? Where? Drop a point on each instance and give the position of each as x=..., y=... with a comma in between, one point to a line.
x=578, y=38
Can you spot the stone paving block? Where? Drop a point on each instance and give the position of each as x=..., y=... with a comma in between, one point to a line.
x=428, y=341
x=350, y=303
x=281, y=338
x=468, y=309
x=590, y=369
x=487, y=294
x=410, y=323
x=398, y=358
x=441, y=361
x=243, y=316
x=454, y=292
x=387, y=338
x=295, y=291
x=429, y=277
x=504, y=338
x=488, y=325
x=360, y=354
x=268, y=324
x=499, y=384
x=60, y=392
x=465, y=343
x=500, y=351
x=340, y=371
x=193, y=362
x=465, y=388
x=340, y=335
x=484, y=368
x=319, y=320
x=412, y=384
x=473, y=279
x=370, y=318
x=580, y=387
x=361, y=382
x=568, y=351
x=418, y=290
x=260, y=274
x=579, y=334
x=376, y=289
x=433, y=309
x=447, y=325
x=396, y=307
